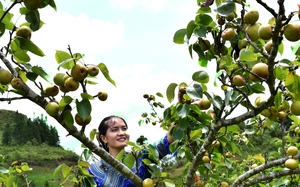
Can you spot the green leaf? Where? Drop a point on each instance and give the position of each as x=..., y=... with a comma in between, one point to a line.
x=292, y=82
x=216, y=101
x=257, y=88
x=228, y=96
x=196, y=134
x=217, y=76
x=25, y=167
x=65, y=170
x=195, y=91
x=190, y=29
x=129, y=160
x=33, y=17
x=201, y=76
x=182, y=110
x=281, y=73
x=57, y=169
x=21, y=56
x=204, y=19
x=65, y=101
x=183, y=123
x=68, y=118
x=159, y=94
x=93, y=133
x=179, y=36
x=281, y=49
x=105, y=72
x=203, y=10
x=120, y=155
x=169, y=183
x=226, y=8
x=178, y=134
x=84, y=164
x=202, y=61
x=64, y=59
x=40, y=71
x=28, y=45
x=2, y=28
x=296, y=48
x=200, y=31
x=170, y=91
x=247, y=55
x=52, y=4
x=84, y=108
x=278, y=100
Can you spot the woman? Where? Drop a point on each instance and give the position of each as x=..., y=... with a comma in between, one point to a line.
x=113, y=137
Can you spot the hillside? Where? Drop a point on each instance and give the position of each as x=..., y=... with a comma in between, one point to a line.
x=39, y=154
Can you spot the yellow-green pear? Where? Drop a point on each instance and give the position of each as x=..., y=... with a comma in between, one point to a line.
x=5, y=76
x=252, y=31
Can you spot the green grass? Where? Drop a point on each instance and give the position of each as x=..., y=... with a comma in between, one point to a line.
x=43, y=176
x=43, y=160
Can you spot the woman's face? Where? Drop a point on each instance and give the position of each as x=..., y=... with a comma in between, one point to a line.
x=116, y=135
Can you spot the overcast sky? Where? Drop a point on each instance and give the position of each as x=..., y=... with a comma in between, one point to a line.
x=134, y=38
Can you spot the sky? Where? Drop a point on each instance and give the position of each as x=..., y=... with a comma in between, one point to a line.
x=134, y=38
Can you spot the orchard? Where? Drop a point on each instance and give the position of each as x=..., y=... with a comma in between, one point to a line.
x=255, y=95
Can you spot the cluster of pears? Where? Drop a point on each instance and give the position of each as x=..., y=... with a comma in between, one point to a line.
x=6, y=77
x=292, y=163
x=70, y=82
x=271, y=112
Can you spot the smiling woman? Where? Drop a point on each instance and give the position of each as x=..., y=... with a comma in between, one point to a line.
x=113, y=138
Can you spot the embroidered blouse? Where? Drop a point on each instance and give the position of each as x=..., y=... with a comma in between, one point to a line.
x=107, y=176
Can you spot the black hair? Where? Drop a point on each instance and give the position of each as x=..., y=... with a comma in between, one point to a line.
x=102, y=129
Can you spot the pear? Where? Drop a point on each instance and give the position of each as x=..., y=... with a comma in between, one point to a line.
x=242, y=44
x=252, y=31
x=51, y=90
x=5, y=76
x=295, y=108
x=58, y=79
x=251, y=16
x=24, y=32
x=230, y=16
x=204, y=104
x=261, y=69
x=52, y=108
x=17, y=83
x=102, y=96
x=292, y=32
x=268, y=46
x=32, y=4
x=238, y=80
x=228, y=34
x=79, y=72
x=265, y=32
x=71, y=84
x=82, y=122
x=93, y=70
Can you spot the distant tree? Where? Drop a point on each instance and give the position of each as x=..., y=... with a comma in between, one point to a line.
x=54, y=138
x=6, y=136
x=142, y=140
x=19, y=132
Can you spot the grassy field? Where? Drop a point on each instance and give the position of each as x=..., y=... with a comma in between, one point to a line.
x=43, y=176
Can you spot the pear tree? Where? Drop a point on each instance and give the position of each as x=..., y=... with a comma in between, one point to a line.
x=255, y=91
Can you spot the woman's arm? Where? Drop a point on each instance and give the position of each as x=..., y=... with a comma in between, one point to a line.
x=169, y=136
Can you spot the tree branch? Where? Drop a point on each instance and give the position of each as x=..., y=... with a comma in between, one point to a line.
x=261, y=168
x=41, y=101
